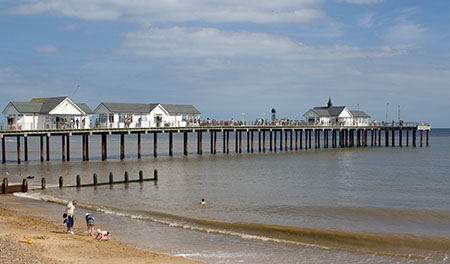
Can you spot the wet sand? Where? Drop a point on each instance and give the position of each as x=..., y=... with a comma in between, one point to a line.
x=51, y=243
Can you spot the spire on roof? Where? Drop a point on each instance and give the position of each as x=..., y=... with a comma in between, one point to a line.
x=330, y=104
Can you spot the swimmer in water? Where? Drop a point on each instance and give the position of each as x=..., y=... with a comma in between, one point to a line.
x=203, y=202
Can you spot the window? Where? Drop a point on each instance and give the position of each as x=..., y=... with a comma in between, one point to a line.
x=129, y=117
x=111, y=118
x=121, y=117
x=102, y=118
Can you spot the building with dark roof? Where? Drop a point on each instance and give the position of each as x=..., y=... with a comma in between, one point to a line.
x=336, y=115
x=48, y=113
x=120, y=115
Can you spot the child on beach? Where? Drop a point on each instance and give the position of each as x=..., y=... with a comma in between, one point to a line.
x=103, y=235
x=90, y=223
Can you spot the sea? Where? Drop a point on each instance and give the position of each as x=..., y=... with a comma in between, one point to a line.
x=335, y=205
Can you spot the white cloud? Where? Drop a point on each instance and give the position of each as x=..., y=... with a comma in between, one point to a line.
x=366, y=20
x=70, y=27
x=405, y=34
x=361, y=2
x=149, y=11
x=47, y=49
x=211, y=42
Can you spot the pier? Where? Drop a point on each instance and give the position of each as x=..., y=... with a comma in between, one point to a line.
x=281, y=138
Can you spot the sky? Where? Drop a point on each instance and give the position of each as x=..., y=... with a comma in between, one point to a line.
x=233, y=58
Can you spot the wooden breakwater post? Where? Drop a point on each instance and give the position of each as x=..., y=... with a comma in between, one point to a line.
x=95, y=179
x=155, y=174
x=111, y=178
x=43, y=184
x=61, y=182
x=78, y=181
x=126, y=176
x=6, y=188
x=141, y=176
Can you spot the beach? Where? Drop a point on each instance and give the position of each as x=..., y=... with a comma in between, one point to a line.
x=51, y=244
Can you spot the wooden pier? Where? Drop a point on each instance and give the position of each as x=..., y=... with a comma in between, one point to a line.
x=295, y=138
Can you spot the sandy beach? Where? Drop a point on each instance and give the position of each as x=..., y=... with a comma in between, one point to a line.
x=51, y=244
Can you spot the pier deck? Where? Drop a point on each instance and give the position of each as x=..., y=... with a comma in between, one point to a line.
x=340, y=136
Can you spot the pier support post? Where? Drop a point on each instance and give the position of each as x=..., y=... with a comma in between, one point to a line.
x=270, y=140
x=296, y=139
x=155, y=144
x=3, y=150
x=379, y=137
x=25, y=143
x=240, y=141
x=215, y=142
x=185, y=143
x=224, y=141
x=371, y=137
x=228, y=141
x=68, y=147
x=333, y=138
x=87, y=147
x=306, y=139
x=211, y=142
x=316, y=138
x=83, y=146
x=42, y=148
x=48, y=147
x=421, y=137
x=251, y=143
x=259, y=140
x=236, y=141
x=201, y=142
x=365, y=137
x=414, y=137
x=264, y=140
x=104, y=147
x=400, y=139
x=248, y=141
x=122, y=146
x=63, y=148
x=393, y=137
x=275, y=140
x=300, y=137
x=139, y=144
x=407, y=137
x=290, y=139
x=428, y=138
x=386, y=139
x=171, y=144
x=18, y=149
x=358, y=138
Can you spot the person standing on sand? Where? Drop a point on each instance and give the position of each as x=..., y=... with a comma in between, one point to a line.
x=70, y=218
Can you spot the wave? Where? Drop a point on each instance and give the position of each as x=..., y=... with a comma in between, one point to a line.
x=395, y=245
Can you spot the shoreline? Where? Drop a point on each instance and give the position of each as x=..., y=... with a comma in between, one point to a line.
x=51, y=243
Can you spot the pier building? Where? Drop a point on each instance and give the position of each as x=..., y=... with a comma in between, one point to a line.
x=336, y=115
x=48, y=113
x=131, y=115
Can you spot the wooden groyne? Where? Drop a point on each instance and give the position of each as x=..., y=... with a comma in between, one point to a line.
x=6, y=188
x=268, y=138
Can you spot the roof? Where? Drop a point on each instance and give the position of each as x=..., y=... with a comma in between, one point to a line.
x=180, y=109
x=128, y=108
x=356, y=113
x=45, y=105
x=147, y=108
x=85, y=108
x=329, y=111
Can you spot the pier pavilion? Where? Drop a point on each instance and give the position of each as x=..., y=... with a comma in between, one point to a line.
x=336, y=115
x=48, y=113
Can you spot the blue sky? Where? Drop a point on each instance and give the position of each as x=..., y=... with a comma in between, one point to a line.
x=232, y=57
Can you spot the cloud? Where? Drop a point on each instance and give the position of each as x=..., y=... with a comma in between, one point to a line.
x=366, y=20
x=361, y=2
x=70, y=27
x=211, y=42
x=405, y=34
x=149, y=11
x=46, y=49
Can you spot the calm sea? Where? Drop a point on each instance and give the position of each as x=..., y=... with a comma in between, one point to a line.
x=353, y=205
